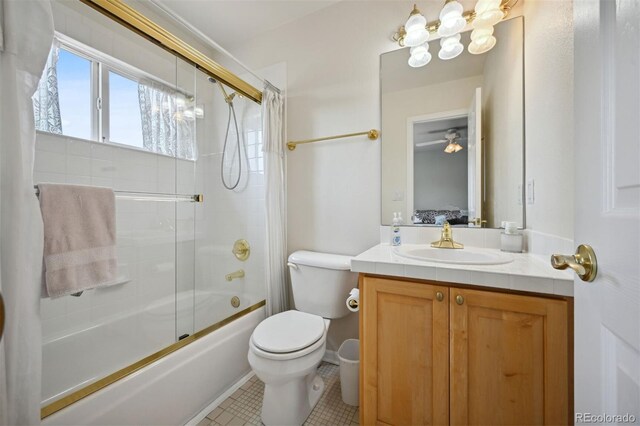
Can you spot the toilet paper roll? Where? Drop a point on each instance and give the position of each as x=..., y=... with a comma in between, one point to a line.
x=353, y=301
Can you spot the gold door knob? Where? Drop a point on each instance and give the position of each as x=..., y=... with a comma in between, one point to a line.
x=584, y=262
x=439, y=296
x=459, y=299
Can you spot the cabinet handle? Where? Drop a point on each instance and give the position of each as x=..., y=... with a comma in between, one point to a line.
x=439, y=296
x=459, y=299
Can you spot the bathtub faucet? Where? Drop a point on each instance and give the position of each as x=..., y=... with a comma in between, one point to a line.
x=237, y=274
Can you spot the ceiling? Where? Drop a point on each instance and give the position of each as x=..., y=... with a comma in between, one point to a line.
x=229, y=22
x=431, y=131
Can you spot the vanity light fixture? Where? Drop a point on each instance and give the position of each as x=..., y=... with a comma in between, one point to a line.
x=416, y=31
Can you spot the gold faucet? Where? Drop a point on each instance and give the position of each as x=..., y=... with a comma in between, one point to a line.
x=446, y=239
x=237, y=274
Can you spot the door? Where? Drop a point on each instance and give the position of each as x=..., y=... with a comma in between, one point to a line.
x=607, y=206
x=474, y=157
x=509, y=359
x=405, y=334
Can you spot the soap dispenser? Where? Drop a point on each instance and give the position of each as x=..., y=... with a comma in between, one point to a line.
x=395, y=231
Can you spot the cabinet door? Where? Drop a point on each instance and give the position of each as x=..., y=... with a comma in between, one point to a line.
x=405, y=353
x=509, y=359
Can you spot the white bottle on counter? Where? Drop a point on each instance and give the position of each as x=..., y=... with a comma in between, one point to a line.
x=511, y=239
x=396, y=240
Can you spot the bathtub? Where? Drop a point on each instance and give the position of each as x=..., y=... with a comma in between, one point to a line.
x=172, y=389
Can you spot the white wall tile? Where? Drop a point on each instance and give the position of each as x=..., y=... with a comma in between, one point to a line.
x=51, y=162
x=50, y=142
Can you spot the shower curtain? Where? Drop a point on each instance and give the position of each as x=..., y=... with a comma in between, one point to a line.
x=273, y=148
x=166, y=129
x=46, y=102
x=28, y=33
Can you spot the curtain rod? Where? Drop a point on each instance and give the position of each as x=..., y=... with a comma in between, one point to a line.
x=125, y=15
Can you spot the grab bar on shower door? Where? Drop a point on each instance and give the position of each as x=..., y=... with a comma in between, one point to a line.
x=1, y=316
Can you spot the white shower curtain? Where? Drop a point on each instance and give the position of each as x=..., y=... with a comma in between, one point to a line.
x=28, y=33
x=273, y=139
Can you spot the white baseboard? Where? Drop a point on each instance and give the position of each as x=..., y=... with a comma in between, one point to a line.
x=331, y=357
x=209, y=408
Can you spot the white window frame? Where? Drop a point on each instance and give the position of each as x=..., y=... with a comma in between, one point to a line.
x=101, y=65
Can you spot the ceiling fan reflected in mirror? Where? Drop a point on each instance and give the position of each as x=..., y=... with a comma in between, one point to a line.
x=451, y=138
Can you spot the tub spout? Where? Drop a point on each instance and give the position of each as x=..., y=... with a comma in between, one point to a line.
x=237, y=274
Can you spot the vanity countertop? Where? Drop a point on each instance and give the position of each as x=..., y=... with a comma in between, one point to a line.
x=527, y=272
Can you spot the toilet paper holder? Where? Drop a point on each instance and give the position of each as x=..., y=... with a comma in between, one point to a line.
x=353, y=300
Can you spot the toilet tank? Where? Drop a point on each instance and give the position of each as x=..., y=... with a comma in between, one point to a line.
x=321, y=282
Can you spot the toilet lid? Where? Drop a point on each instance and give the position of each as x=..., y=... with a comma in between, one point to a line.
x=288, y=331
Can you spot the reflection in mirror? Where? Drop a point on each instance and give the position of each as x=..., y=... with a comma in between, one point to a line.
x=452, y=135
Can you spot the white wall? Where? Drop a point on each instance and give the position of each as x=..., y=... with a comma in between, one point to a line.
x=332, y=76
x=332, y=59
x=398, y=107
x=333, y=187
x=441, y=180
x=503, y=125
x=549, y=115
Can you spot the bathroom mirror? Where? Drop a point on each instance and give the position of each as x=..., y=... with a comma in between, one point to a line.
x=453, y=134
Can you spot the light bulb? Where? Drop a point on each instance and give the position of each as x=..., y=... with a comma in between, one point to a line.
x=450, y=148
x=419, y=50
x=188, y=115
x=416, y=20
x=451, y=20
x=482, y=35
x=416, y=28
x=450, y=47
x=420, y=56
x=484, y=5
x=476, y=47
x=457, y=147
x=489, y=17
x=416, y=37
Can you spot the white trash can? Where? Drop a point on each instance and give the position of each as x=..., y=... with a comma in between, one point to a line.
x=349, y=355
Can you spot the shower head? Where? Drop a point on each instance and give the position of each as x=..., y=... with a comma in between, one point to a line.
x=227, y=98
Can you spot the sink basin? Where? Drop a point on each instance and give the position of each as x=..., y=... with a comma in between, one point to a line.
x=456, y=256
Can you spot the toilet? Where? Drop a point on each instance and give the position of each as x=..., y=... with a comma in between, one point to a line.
x=286, y=349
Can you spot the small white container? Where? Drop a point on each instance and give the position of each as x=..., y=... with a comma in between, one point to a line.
x=511, y=243
x=349, y=356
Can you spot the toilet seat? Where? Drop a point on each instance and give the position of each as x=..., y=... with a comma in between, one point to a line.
x=288, y=335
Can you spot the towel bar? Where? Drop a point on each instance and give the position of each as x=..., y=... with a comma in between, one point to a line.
x=152, y=196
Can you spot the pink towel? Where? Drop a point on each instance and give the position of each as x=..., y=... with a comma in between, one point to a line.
x=79, y=238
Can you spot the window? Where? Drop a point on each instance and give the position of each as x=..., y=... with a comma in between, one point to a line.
x=125, y=126
x=62, y=102
x=89, y=95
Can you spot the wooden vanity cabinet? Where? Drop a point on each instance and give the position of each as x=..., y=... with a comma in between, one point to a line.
x=405, y=344
x=433, y=353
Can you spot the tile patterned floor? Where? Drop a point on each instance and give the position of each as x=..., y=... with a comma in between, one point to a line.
x=243, y=407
